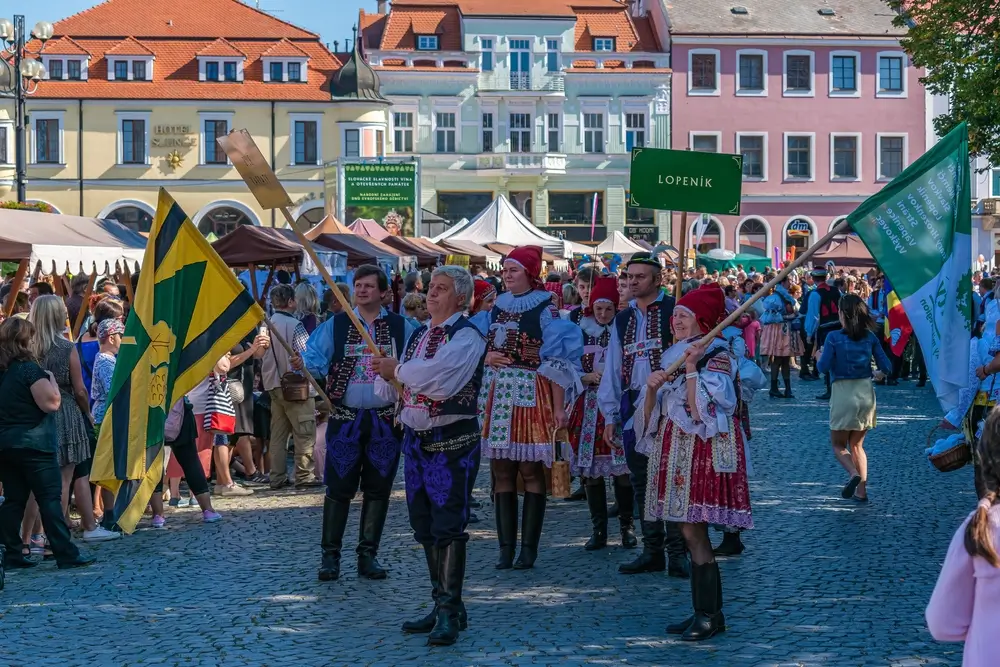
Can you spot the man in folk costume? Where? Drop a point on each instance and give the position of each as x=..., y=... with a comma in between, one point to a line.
x=595, y=457
x=686, y=423
x=362, y=441
x=822, y=316
x=440, y=374
x=639, y=337
x=532, y=363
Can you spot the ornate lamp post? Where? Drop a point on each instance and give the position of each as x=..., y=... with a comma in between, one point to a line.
x=20, y=73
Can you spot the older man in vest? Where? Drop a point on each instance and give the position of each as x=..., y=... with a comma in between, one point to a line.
x=362, y=440
x=440, y=375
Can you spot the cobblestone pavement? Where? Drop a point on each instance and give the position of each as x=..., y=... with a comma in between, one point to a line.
x=824, y=582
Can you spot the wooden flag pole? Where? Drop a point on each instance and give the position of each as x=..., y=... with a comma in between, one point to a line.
x=15, y=287
x=85, y=306
x=736, y=314
x=682, y=258
x=273, y=331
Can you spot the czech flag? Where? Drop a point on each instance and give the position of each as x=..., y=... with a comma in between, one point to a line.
x=897, y=325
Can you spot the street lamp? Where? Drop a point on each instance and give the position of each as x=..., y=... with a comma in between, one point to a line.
x=19, y=77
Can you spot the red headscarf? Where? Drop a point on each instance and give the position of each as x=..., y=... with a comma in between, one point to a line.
x=530, y=259
x=605, y=288
x=483, y=290
x=707, y=303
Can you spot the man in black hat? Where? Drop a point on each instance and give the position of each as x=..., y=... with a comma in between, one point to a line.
x=639, y=336
x=822, y=316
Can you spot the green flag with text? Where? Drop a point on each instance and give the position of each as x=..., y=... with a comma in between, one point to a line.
x=918, y=230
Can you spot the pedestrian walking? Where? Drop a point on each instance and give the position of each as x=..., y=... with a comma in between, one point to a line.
x=821, y=317
x=965, y=605
x=779, y=338
x=847, y=359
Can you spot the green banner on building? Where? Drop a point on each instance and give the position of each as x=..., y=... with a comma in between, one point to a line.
x=686, y=181
x=385, y=193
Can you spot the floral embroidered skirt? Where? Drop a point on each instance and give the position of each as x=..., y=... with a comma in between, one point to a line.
x=685, y=483
x=592, y=455
x=517, y=414
x=778, y=340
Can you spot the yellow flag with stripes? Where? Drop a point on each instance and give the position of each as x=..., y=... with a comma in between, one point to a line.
x=188, y=311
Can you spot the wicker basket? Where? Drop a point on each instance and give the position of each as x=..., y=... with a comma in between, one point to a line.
x=951, y=459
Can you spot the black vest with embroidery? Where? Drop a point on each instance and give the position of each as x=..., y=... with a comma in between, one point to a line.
x=576, y=315
x=829, y=312
x=390, y=331
x=522, y=337
x=466, y=402
x=658, y=316
x=594, y=341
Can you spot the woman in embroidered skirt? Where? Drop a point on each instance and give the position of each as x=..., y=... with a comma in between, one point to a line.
x=593, y=457
x=688, y=427
x=779, y=337
x=532, y=371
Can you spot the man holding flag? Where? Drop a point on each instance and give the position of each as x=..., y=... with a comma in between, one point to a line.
x=189, y=310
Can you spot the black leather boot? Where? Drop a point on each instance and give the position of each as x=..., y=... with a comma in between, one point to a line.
x=625, y=501
x=373, y=513
x=774, y=393
x=451, y=577
x=678, y=565
x=426, y=624
x=532, y=517
x=597, y=501
x=579, y=494
x=681, y=628
x=825, y=396
x=334, y=522
x=731, y=545
x=706, y=587
x=651, y=559
x=505, y=508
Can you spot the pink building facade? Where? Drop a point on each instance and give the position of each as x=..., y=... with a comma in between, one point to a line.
x=823, y=120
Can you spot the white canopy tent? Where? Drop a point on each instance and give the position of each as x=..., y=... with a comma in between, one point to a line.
x=501, y=222
x=619, y=244
x=61, y=244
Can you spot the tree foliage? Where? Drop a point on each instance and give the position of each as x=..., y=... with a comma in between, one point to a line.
x=958, y=42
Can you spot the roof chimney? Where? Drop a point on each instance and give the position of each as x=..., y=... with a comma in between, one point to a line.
x=383, y=7
x=336, y=46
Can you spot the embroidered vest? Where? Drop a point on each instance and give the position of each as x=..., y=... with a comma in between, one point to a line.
x=348, y=346
x=576, y=315
x=590, y=342
x=466, y=402
x=658, y=336
x=519, y=335
x=829, y=313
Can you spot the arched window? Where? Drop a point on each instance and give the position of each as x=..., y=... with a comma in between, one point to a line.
x=222, y=220
x=712, y=238
x=132, y=217
x=753, y=237
x=799, y=235
x=311, y=217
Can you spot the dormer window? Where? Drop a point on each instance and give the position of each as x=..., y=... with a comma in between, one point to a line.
x=427, y=42
x=221, y=61
x=121, y=70
x=604, y=43
x=212, y=71
x=295, y=72
x=55, y=69
x=229, y=70
x=62, y=68
x=278, y=71
x=131, y=69
x=74, y=70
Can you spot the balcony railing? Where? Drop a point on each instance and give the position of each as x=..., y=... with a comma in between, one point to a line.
x=517, y=161
x=549, y=82
x=633, y=60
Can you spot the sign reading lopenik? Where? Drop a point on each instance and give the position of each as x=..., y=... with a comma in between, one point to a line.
x=686, y=181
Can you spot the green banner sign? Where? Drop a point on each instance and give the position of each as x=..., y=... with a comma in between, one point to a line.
x=686, y=181
x=385, y=193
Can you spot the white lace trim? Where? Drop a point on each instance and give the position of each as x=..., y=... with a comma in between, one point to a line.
x=592, y=328
x=522, y=304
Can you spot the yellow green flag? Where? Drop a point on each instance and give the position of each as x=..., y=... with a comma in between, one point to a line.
x=189, y=310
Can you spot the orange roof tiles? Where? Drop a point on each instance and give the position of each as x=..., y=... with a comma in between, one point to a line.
x=64, y=46
x=372, y=27
x=284, y=49
x=592, y=23
x=183, y=19
x=403, y=26
x=129, y=47
x=512, y=7
x=222, y=48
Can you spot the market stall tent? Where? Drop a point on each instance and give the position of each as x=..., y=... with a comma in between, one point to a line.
x=364, y=250
x=425, y=256
x=477, y=253
x=61, y=244
x=328, y=225
x=501, y=222
x=248, y=245
x=846, y=250
x=618, y=244
x=368, y=227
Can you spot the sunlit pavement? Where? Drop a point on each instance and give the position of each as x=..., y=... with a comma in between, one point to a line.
x=824, y=581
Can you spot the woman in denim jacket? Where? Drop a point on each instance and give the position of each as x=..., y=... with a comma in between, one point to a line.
x=779, y=337
x=847, y=355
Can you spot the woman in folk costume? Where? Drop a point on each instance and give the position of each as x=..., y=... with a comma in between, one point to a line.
x=688, y=427
x=593, y=457
x=779, y=337
x=532, y=362
x=483, y=298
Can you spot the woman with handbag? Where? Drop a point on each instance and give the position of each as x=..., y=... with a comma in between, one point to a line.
x=847, y=356
x=779, y=337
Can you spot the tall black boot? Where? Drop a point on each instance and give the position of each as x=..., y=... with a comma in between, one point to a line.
x=373, y=513
x=678, y=565
x=334, y=522
x=774, y=393
x=706, y=587
x=731, y=545
x=786, y=377
x=451, y=609
x=426, y=624
x=505, y=508
x=825, y=396
x=579, y=494
x=625, y=497
x=651, y=559
x=597, y=501
x=532, y=517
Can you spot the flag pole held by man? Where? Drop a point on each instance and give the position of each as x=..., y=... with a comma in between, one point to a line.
x=189, y=310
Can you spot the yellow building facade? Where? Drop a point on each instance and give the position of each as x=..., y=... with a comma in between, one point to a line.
x=116, y=118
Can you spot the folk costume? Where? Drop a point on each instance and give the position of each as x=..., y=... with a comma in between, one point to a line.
x=362, y=441
x=779, y=338
x=483, y=291
x=697, y=466
x=638, y=340
x=441, y=374
x=516, y=401
x=594, y=458
x=978, y=398
x=822, y=315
